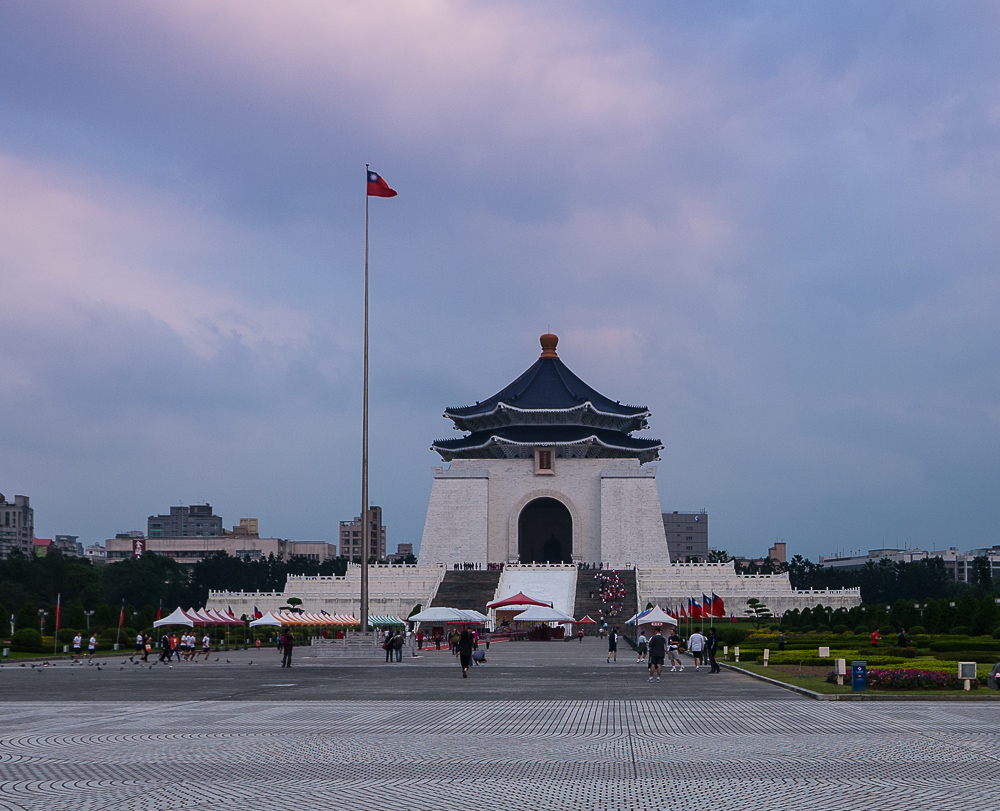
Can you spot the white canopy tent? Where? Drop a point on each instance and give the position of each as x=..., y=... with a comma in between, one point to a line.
x=445, y=615
x=178, y=617
x=543, y=614
x=653, y=616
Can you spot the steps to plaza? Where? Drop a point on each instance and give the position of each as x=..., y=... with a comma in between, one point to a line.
x=467, y=589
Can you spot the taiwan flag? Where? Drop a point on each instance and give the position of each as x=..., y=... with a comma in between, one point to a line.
x=256, y=613
x=707, y=603
x=683, y=612
x=718, y=606
x=696, y=612
x=377, y=187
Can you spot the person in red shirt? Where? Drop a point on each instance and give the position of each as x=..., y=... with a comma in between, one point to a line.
x=875, y=638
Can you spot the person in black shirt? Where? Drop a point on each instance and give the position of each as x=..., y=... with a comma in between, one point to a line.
x=657, y=649
x=711, y=646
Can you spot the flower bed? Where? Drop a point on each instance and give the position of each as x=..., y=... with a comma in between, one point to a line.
x=911, y=679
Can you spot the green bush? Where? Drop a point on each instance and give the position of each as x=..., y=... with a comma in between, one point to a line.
x=977, y=655
x=906, y=653
x=841, y=629
x=996, y=632
x=730, y=636
x=959, y=630
x=917, y=630
x=861, y=631
x=66, y=635
x=979, y=644
x=807, y=629
x=27, y=639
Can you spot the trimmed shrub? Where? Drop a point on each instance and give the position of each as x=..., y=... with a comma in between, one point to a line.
x=917, y=630
x=730, y=636
x=906, y=653
x=841, y=629
x=977, y=655
x=861, y=631
x=959, y=630
x=965, y=644
x=807, y=629
x=27, y=639
x=66, y=635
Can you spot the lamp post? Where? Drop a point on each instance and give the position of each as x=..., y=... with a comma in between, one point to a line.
x=88, y=614
x=42, y=614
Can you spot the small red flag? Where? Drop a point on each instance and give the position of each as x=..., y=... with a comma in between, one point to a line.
x=377, y=187
x=58, y=601
x=121, y=617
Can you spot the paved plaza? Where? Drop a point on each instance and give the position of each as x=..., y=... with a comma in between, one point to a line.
x=543, y=726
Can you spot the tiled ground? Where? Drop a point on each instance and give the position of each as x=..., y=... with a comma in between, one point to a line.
x=511, y=755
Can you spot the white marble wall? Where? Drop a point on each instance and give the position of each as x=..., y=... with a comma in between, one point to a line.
x=668, y=586
x=475, y=505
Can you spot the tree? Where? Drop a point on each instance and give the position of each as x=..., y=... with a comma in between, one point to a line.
x=987, y=618
x=147, y=579
x=982, y=572
x=719, y=556
x=27, y=616
x=757, y=612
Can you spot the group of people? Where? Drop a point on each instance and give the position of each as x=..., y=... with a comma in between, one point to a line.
x=659, y=647
x=78, y=646
x=172, y=646
x=392, y=644
x=612, y=593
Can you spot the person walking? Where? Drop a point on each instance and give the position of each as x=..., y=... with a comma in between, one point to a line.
x=420, y=640
x=165, y=648
x=486, y=638
x=397, y=645
x=139, y=647
x=387, y=646
x=287, y=643
x=657, y=647
x=711, y=646
x=147, y=646
x=77, y=646
x=781, y=641
x=674, y=651
x=92, y=646
x=465, y=651
x=613, y=643
x=641, y=648
x=875, y=638
x=696, y=644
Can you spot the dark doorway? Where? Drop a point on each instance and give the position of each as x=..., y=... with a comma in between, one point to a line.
x=545, y=532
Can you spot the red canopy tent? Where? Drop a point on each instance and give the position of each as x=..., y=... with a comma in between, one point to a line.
x=586, y=621
x=518, y=599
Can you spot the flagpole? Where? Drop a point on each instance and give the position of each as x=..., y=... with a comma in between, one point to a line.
x=364, y=446
x=55, y=641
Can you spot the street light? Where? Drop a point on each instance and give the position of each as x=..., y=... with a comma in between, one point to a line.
x=89, y=614
x=42, y=614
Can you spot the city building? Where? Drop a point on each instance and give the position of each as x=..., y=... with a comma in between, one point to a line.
x=958, y=565
x=190, y=550
x=17, y=526
x=194, y=521
x=95, y=553
x=776, y=555
x=687, y=536
x=403, y=551
x=351, y=536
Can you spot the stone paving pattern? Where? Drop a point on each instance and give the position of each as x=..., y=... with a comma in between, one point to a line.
x=760, y=749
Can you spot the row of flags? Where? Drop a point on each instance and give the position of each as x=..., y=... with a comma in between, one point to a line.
x=695, y=609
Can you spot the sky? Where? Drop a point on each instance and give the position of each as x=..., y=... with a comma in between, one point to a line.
x=774, y=224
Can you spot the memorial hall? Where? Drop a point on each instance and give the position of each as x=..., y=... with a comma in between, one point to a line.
x=550, y=484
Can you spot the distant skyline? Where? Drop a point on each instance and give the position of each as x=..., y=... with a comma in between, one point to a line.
x=774, y=224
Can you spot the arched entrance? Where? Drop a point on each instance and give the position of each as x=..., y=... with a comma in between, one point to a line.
x=545, y=532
